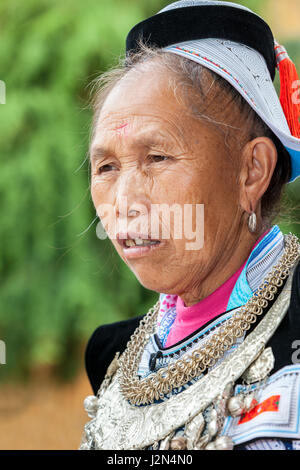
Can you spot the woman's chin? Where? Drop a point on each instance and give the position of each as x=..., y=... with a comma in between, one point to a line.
x=155, y=283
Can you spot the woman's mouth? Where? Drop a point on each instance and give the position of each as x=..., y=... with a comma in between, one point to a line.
x=137, y=245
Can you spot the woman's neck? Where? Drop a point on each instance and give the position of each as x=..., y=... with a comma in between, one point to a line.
x=231, y=260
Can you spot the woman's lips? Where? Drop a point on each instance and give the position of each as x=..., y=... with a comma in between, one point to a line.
x=137, y=251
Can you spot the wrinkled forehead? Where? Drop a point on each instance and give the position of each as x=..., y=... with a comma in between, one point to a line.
x=142, y=111
x=160, y=86
x=159, y=97
x=140, y=93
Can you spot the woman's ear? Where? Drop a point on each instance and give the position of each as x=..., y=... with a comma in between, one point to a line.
x=259, y=158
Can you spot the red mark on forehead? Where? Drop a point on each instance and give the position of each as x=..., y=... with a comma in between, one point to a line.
x=121, y=127
x=121, y=130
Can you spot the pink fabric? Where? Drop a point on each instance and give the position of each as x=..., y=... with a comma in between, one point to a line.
x=190, y=319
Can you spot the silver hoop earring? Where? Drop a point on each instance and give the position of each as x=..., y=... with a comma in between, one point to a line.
x=252, y=222
x=132, y=212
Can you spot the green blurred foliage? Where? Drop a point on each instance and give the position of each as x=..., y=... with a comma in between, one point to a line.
x=58, y=281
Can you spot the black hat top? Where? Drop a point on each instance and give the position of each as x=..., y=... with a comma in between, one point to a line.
x=205, y=21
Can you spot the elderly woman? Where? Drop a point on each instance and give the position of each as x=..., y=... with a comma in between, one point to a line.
x=192, y=120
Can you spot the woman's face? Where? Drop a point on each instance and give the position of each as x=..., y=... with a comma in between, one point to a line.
x=149, y=150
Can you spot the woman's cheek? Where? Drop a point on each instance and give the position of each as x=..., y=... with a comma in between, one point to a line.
x=99, y=191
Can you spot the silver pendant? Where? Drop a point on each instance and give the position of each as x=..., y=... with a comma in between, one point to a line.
x=260, y=368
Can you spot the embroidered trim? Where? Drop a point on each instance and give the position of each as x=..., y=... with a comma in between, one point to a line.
x=220, y=67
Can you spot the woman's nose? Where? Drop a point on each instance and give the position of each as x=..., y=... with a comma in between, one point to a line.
x=132, y=206
x=131, y=200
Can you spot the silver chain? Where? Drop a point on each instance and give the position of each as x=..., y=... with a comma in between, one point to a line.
x=180, y=372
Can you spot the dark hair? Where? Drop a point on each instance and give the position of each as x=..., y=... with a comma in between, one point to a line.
x=193, y=76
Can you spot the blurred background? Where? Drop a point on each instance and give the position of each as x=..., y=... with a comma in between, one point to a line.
x=58, y=280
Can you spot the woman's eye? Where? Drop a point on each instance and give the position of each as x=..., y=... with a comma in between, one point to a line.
x=158, y=158
x=105, y=168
